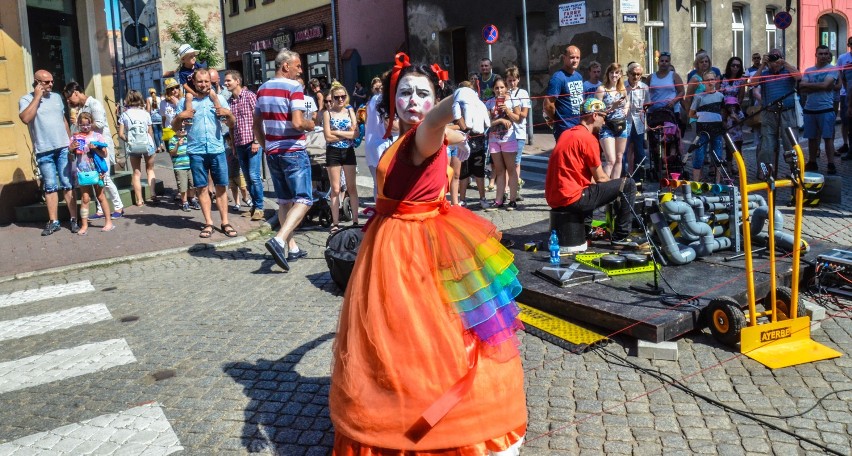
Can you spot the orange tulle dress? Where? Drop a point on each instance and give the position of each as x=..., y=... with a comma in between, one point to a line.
x=426, y=356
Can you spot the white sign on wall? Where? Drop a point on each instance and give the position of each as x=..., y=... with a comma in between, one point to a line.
x=629, y=6
x=572, y=13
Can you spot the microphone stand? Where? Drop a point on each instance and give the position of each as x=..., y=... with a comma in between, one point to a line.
x=652, y=289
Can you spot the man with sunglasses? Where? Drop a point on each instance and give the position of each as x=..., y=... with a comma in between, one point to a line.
x=778, y=80
x=44, y=115
x=574, y=163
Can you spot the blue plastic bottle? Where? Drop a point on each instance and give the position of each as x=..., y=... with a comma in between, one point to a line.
x=554, y=249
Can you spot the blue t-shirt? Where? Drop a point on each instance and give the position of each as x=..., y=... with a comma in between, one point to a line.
x=774, y=87
x=823, y=99
x=568, y=90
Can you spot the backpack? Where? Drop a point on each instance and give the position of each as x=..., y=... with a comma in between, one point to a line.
x=137, y=137
x=341, y=249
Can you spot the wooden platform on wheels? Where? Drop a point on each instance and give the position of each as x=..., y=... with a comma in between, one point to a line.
x=611, y=304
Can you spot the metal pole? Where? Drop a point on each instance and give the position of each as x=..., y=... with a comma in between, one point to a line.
x=489, y=53
x=527, y=71
x=224, y=34
x=334, y=39
x=117, y=88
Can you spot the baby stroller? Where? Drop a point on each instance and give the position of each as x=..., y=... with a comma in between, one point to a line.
x=664, y=143
x=320, y=211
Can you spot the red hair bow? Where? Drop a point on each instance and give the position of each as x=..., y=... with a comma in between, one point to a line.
x=401, y=60
x=443, y=75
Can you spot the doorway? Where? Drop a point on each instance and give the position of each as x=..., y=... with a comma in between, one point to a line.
x=831, y=32
x=55, y=40
x=459, y=42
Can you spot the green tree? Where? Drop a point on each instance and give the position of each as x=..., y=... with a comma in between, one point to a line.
x=191, y=31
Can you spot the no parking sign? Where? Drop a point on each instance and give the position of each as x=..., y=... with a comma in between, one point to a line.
x=490, y=33
x=783, y=20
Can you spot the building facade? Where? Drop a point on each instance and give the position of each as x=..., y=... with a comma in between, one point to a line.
x=337, y=40
x=147, y=66
x=616, y=31
x=305, y=27
x=823, y=22
x=66, y=37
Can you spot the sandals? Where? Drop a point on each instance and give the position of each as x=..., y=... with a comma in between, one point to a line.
x=206, y=231
x=334, y=229
x=229, y=230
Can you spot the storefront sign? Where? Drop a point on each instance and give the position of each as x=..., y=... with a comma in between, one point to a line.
x=630, y=18
x=629, y=7
x=287, y=38
x=309, y=34
x=572, y=13
x=283, y=40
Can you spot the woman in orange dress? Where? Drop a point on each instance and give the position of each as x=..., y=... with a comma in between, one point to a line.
x=426, y=357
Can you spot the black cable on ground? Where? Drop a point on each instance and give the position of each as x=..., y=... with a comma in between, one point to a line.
x=619, y=360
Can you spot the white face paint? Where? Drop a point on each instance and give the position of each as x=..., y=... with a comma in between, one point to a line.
x=414, y=98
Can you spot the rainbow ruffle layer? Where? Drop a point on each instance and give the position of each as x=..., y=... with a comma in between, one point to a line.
x=482, y=289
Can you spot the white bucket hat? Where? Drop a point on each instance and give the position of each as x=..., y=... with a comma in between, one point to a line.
x=185, y=50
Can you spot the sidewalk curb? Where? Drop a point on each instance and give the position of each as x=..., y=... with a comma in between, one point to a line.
x=266, y=226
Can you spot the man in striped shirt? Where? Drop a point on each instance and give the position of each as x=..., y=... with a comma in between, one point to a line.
x=280, y=123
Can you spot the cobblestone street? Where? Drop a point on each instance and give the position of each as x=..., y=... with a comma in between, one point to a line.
x=219, y=352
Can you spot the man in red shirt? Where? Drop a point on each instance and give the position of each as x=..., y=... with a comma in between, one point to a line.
x=574, y=162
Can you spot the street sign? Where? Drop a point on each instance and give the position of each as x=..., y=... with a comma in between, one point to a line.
x=490, y=33
x=783, y=19
x=137, y=35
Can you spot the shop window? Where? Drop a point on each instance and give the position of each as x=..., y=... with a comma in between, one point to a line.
x=829, y=30
x=318, y=66
x=698, y=25
x=655, y=36
x=771, y=30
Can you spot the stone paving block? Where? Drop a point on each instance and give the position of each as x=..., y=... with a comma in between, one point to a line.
x=666, y=351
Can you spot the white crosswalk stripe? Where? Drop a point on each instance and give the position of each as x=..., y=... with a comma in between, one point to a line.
x=140, y=430
x=40, y=324
x=534, y=168
x=49, y=292
x=63, y=364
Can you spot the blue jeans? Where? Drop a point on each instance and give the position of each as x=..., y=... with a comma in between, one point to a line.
x=158, y=134
x=638, y=142
x=215, y=164
x=291, y=177
x=521, y=144
x=715, y=142
x=250, y=163
x=55, y=170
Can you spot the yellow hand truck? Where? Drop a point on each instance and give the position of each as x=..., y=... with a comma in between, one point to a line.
x=783, y=336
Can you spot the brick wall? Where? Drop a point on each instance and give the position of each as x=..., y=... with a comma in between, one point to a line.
x=241, y=41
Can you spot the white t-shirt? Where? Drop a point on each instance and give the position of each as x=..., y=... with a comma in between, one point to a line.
x=374, y=131
x=139, y=115
x=520, y=98
x=468, y=105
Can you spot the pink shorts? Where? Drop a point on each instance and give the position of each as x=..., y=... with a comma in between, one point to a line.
x=497, y=147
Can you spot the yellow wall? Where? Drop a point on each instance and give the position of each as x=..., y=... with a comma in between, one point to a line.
x=266, y=13
x=15, y=143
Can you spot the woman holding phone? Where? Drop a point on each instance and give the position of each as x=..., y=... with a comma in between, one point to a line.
x=503, y=145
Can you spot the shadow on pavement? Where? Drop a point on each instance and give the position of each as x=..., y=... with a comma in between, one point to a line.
x=288, y=407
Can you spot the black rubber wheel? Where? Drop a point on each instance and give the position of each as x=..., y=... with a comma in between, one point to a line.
x=783, y=301
x=345, y=210
x=726, y=320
